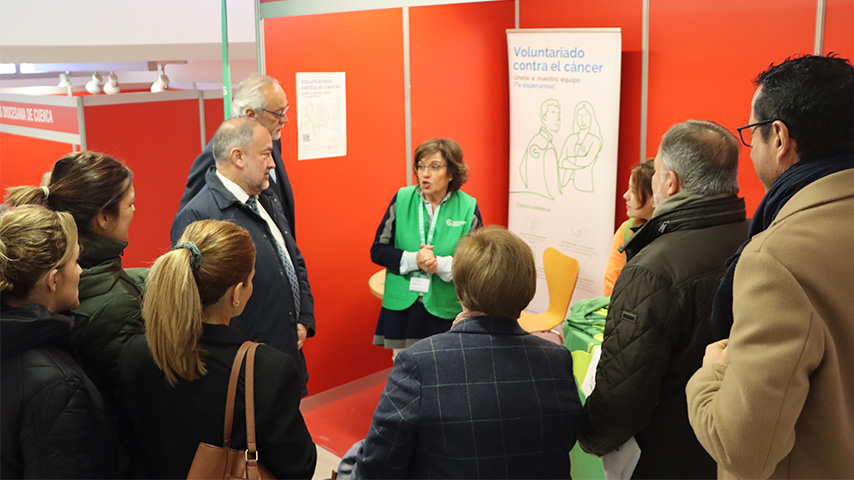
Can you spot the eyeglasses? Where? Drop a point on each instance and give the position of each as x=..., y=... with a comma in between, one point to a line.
x=746, y=133
x=434, y=167
x=278, y=115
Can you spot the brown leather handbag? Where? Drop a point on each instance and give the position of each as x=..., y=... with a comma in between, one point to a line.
x=224, y=462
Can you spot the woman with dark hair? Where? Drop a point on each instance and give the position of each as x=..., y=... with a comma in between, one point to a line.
x=639, y=208
x=415, y=242
x=485, y=399
x=54, y=420
x=174, y=378
x=98, y=192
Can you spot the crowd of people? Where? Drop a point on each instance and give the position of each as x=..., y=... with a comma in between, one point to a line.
x=727, y=348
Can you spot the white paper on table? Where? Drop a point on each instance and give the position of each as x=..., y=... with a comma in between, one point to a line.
x=589, y=382
x=621, y=463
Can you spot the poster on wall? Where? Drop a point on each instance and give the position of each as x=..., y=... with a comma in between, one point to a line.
x=321, y=115
x=564, y=126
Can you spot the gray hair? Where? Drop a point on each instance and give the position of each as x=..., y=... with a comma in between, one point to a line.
x=233, y=133
x=704, y=155
x=250, y=94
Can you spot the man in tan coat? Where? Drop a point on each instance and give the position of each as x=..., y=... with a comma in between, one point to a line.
x=776, y=399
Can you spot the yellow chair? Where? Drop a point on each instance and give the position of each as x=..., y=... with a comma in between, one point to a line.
x=561, y=276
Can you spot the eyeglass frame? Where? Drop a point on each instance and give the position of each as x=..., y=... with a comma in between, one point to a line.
x=433, y=167
x=277, y=115
x=756, y=124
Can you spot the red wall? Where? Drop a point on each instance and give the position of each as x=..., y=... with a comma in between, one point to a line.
x=460, y=90
x=214, y=116
x=159, y=142
x=704, y=56
x=24, y=160
x=340, y=201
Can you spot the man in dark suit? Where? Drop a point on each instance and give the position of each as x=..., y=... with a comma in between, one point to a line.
x=281, y=311
x=261, y=98
x=485, y=399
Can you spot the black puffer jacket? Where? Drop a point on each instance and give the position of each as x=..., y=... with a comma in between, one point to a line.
x=656, y=334
x=53, y=419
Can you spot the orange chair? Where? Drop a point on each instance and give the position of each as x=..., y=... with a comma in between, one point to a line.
x=561, y=276
x=377, y=284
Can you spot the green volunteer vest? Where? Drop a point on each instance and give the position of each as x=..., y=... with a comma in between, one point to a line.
x=454, y=222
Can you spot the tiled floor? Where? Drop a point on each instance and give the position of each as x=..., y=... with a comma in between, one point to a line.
x=326, y=462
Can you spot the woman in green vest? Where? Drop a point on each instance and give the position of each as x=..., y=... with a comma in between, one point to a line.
x=415, y=242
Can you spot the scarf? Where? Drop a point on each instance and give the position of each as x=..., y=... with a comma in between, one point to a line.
x=785, y=187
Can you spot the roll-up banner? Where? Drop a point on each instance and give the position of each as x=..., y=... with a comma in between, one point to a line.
x=564, y=122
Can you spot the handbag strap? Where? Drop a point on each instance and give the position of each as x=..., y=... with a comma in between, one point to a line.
x=232, y=392
x=251, y=455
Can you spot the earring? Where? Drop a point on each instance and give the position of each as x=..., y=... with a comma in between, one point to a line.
x=236, y=303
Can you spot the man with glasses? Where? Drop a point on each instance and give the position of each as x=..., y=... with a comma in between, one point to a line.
x=658, y=320
x=261, y=98
x=775, y=397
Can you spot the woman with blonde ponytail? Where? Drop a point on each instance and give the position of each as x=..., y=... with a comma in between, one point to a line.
x=174, y=378
x=55, y=424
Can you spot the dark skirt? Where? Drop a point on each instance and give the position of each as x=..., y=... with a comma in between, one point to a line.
x=402, y=328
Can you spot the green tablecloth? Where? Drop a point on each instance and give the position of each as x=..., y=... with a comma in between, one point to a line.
x=583, y=330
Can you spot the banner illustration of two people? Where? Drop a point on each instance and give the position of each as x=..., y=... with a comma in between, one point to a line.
x=546, y=172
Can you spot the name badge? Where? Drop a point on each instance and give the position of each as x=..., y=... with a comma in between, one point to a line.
x=418, y=284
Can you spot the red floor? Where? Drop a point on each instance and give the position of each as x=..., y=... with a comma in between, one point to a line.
x=340, y=417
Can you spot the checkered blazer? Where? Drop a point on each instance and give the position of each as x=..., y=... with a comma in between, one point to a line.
x=483, y=400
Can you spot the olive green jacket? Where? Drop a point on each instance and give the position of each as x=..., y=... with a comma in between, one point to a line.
x=112, y=298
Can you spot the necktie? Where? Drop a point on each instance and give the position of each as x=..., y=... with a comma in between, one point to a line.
x=286, y=263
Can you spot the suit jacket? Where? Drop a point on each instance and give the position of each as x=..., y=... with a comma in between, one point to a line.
x=270, y=315
x=281, y=186
x=167, y=423
x=784, y=407
x=483, y=400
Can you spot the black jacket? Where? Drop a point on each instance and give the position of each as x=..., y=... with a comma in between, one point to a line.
x=169, y=422
x=281, y=187
x=269, y=316
x=656, y=334
x=54, y=423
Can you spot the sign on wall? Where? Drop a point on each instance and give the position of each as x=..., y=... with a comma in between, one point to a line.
x=321, y=115
x=564, y=119
x=52, y=118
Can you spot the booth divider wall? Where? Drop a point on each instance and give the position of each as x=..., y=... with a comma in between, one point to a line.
x=460, y=90
x=25, y=159
x=702, y=58
x=156, y=135
x=340, y=201
x=158, y=141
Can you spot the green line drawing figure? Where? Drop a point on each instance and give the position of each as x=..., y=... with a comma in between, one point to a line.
x=581, y=149
x=539, y=167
